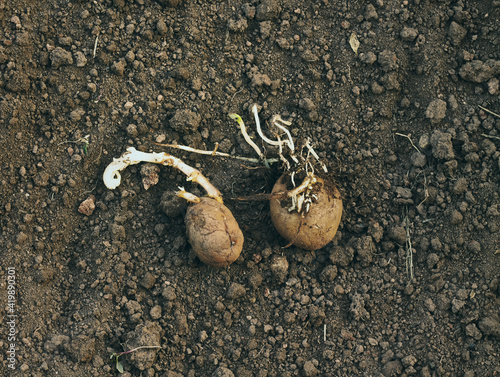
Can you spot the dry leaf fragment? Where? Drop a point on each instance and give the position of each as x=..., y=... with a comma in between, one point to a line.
x=354, y=42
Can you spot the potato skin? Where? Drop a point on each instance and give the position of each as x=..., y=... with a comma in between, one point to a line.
x=213, y=233
x=318, y=227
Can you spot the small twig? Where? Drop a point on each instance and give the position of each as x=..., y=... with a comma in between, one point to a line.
x=134, y=349
x=88, y=192
x=234, y=95
x=262, y=349
x=83, y=140
x=409, y=249
x=95, y=44
x=426, y=191
x=491, y=137
x=489, y=111
x=408, y=137
x=116, y=355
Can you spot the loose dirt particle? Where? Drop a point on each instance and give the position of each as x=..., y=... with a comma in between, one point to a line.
x=479, y=71
x=60, y=57
x=185, y=120
x=235, y=291
x=409, y=34
x=310, y=369
x=442, y=147
x=457, y=33
x=267, y=10
x=146, y=334
x=149, y=173
x=490, y=326
x=392, y=368
x=223, y=372
x=87, y=207
x=279, y=267
x=436, y=111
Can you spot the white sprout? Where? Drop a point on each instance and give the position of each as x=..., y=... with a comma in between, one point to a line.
x=294, y=204
x=300, y=195
x=278, y=142
x=313, y=152
x=112, y=176
x=300, y=201
x=259, y=129
x=246, y=136
x=214, y=153
x=306, y=184
x=292, y=178
x=187, y=195
x=276, y=120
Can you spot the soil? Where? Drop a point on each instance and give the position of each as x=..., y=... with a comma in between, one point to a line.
x=409, y=125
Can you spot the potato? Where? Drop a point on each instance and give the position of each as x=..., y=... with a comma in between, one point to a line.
x=318, y=226
x=213, y=233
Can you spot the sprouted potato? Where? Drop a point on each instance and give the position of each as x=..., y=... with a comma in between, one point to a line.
x=311, y=228
x=306, y=214
x=212, y=229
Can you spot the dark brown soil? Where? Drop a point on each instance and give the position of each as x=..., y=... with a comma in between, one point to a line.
x=409, y=126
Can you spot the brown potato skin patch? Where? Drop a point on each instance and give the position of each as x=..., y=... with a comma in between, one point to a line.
x=213, y=233
x=318, y=227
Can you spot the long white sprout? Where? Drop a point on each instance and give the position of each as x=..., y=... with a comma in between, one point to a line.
x=215, y=153
x=112, y=176
x=276, y=143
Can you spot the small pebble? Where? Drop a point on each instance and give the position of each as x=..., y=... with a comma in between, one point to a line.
x=235, y=291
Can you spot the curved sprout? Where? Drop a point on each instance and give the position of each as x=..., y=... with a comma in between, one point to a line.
x=276, y=143
x=132, y=156
x=243, y=129
x=275, y=119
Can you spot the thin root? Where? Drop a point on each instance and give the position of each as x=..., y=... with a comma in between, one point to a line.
x=213, y=153
x=409, y=138
x=488, y=111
